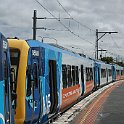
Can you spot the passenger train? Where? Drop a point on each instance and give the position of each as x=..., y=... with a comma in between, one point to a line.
x=6, y=109
x=48, y=78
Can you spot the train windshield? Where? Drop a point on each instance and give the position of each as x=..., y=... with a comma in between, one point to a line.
x=14, y=57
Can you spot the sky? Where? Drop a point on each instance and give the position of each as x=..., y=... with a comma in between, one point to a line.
x=85, y=16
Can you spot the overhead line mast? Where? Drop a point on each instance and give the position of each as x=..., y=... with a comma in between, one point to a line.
x=98, y=38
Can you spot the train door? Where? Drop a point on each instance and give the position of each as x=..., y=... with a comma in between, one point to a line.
x=113, y=73
x=35, y=83
x=53, y=86
x=33, y=86
x=99, y=75
x=95, y=76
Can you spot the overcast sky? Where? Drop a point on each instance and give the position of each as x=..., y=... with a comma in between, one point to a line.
x=105, y=15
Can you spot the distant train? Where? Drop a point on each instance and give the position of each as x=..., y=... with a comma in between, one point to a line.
x=49, y=78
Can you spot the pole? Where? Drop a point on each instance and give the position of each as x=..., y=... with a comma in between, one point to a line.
x=98, y=38
x=96, y=43
x=34, y=24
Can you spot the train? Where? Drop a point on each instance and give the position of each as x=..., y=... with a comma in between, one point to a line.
x=49, y=78
x=45, y=79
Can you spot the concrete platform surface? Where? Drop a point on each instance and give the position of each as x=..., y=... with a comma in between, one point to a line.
x=112, y=111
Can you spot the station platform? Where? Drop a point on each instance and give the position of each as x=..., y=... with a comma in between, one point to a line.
x=106, y=108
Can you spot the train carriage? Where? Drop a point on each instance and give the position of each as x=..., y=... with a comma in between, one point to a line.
x=77, y=77
x=37, y=68
x=6, y=113
x=103, y=73
x=71, y=79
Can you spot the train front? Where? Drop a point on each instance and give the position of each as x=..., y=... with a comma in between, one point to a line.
x=18, y=56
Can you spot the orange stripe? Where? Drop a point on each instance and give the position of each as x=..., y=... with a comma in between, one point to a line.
x=89, y=86
x=70, y=95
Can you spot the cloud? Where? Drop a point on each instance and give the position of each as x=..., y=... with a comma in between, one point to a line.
x=16, y=20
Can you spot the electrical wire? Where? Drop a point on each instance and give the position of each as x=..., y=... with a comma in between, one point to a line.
x=73, y=18
x=63, y=24
x=53, y=29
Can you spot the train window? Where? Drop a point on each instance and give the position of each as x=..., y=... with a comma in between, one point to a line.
x=103, y=73
x=69, y=75
x=28, y=73
x=14, y=57
x=77, y=75
x=35, y=75
x=110, y=72
x=64, y=76
x=82, y=73
x=89, y=74
x=73, y=75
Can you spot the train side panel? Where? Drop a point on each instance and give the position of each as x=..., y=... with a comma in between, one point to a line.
x=89, y=76
x=97, y=69
x=103, y=74
x=71, y=80
x=77, y=78
x=50, y=75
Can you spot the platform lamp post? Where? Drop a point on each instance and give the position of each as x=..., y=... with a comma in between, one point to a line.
x=98, y=38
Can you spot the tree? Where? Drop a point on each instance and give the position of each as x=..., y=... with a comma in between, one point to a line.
x=107, y=59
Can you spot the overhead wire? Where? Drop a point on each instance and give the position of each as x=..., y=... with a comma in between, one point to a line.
x=63, y=24
x=114, y=42
x=72, y=17
x=53, y=29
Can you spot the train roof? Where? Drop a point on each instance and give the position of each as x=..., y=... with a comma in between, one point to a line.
x=56, y=47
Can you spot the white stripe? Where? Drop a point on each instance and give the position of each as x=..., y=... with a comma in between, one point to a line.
x=2, y=117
